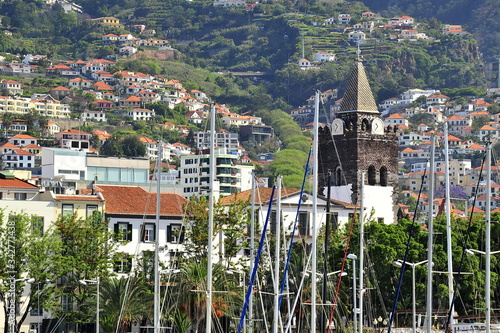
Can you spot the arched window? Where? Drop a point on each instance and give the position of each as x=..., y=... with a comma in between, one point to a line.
x=383, y=176
x=365, y=125
x=372, y=175
x=338, y=177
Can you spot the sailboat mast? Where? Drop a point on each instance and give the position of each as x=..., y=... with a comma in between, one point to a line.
x=430, y=228
x=448, y=221
x=361, y=250
x=487, y=291
x=314, y=213
x=156, y=319
x=252, y=253
x=211, y=194
x=277, y=260
x=325, y=260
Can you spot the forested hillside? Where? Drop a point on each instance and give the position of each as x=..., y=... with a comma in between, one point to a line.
x=480, y=16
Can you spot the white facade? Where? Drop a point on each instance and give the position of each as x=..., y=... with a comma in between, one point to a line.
x=63, y=163
x=227, y=140
x=194, y=173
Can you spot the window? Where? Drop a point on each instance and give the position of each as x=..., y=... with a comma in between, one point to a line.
x=372, y=175
x=67, y=210
x=37, y=225
x=175, y=233
x=123, y=231
x=333, y=218
x=20, y=196
x=122, y=263
x=303, y=223
x=91, y=209
x=66, y=303
x=272, y=221
x=148, y=232
x=383, y=176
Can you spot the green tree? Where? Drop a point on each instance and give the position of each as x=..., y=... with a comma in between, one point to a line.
x=27, y=250
x=233, y=218
x=290, y=163
x=124, y=301
x=7, y=120
x=192, y=278
x=479, y=122
x=112, y=147
x=133, y=147
x=86, y=253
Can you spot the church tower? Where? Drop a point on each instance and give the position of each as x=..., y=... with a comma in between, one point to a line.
x=357, y=142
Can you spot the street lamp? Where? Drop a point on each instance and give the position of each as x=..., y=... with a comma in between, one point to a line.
x=487, y=282
x=353, y=257
x=39, y=325
x=96, y=281
x=399, y=263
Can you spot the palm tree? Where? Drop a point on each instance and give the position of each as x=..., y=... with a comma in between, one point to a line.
x=191, y=297
x=7, y=120
x=124, y=301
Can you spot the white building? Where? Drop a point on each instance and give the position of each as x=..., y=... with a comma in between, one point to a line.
x=227, y=140
x=70, y=165
x=63, y=163
x=322, y=56
x=141, y=114
x=134, y=221
x=340, y=212
x=93, y=116
x=231, y=178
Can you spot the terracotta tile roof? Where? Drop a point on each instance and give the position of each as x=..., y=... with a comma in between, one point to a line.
x=78, y=198
x=477, y=146
x=31, y=145
x=137, y=201
x=262, y=195
x=476, y=210
x=16, y=183
x=395, y=116
x=455, y=117
x=60, y=88
x=23, y=136
x=20, y=152
x=9, y=145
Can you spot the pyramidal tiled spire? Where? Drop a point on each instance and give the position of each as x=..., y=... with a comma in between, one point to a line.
x=358, y=94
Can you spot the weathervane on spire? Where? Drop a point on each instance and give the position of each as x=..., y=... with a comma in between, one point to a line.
x=358, y=52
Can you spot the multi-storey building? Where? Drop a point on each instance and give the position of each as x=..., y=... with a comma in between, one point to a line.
x=46, y=106
x=223, y=139
x=195, y=173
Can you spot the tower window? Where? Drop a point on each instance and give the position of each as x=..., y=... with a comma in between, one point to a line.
x=338, y=176
x=372, y=175
x=383, y=176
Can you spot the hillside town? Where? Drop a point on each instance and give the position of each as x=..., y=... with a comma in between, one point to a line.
x=53, y=168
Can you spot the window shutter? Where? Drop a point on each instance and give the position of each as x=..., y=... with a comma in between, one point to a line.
x=116, y=265
x=129, y=231
x=128, y=268
x=169, y=233
x=142, y=232
x=181, y=240
x=116, y=229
